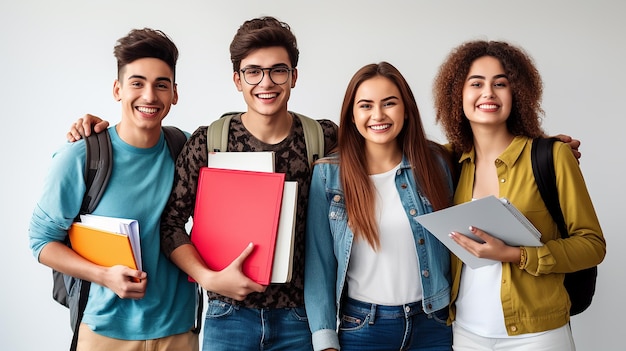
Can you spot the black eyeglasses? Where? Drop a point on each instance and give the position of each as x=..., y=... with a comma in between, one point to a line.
x=278, y=75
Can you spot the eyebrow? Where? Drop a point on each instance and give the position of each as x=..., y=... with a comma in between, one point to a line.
x=476, y=76
x=159, y=79
x=383, y=100
x=274, y=66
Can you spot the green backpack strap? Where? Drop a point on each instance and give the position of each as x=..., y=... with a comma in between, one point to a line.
x=313, y=138
x=217, y=135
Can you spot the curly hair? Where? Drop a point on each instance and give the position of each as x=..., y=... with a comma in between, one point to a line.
x=524, y=79
x=263, y=32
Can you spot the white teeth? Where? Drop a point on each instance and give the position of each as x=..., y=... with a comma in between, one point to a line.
x=267, y=96
x=380, y=126
x=488, y=106
x=147, y=109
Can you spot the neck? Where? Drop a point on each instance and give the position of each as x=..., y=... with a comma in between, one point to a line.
x=488, y=145
x=141, y=138
x=270, y=129
x=382, y=158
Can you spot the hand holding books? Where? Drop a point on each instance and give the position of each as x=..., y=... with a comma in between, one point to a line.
x=107, y=241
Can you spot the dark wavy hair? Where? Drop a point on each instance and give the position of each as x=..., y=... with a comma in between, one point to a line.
x=424, y=155
x=142, y=43
x=260, y=33
x=524, y=79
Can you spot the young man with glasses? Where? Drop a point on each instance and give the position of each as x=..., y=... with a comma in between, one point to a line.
x=241, y=314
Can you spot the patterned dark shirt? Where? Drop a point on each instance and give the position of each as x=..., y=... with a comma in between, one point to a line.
x=290, y=158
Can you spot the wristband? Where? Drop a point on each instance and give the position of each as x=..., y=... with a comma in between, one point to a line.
x=522, y=257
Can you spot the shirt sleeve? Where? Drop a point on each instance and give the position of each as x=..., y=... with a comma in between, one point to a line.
x=61, y=196
x=180, y=205
x=586, y=246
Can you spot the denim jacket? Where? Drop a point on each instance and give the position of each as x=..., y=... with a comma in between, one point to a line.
x=329, y=243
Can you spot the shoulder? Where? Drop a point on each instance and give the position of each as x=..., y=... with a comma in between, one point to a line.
x=332, y=159
x=197, y=142
x=328, y=164
x=328, y=126
x=563, y=155
x=70, y=152
x=331, y=135
x=201, y=130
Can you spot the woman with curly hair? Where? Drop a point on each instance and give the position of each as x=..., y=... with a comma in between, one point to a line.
x=488, y=100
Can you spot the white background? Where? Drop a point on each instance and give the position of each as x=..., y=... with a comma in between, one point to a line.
x=57, y=64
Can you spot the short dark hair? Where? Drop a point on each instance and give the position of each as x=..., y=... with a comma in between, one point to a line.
x=142, y=43
x=260, y=33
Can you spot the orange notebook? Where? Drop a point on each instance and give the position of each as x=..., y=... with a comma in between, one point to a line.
x=234, y=208
x=102, y=247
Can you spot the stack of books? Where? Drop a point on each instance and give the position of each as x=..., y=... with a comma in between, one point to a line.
x=107, y=241
x=241, y=200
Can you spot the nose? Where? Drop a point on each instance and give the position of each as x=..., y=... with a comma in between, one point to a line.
x=377, y=113
x=266, y=80
x=149, y=95
x=488, y=91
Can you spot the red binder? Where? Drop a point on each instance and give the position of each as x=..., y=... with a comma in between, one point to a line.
x=234, y=208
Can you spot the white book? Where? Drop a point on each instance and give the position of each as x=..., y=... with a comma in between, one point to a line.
x=128, y=227
x=283, y=252
x=263, y=161
x=496, y=217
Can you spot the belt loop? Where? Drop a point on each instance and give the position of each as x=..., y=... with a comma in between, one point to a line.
x=372, y=313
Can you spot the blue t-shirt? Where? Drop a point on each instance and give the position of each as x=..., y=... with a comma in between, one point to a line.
x=140, y=184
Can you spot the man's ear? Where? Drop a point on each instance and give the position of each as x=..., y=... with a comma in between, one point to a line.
x=175, y=97
x=237, y=80
x=294, y=77
x=117, y=86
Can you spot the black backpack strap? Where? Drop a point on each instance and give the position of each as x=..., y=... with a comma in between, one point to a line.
x=580, y=285
x=545, y=177
x=82, y=303
x=98, y=166
x=175, y=139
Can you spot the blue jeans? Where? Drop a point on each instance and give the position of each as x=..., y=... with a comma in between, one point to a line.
x=366, y=327
x=229, y=327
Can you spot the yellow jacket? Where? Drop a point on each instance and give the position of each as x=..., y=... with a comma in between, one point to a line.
x=534, y=298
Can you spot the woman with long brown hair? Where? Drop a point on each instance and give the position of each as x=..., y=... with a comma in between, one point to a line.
x=368, y=262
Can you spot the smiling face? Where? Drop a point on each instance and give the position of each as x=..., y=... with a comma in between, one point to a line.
x=146, y=90
x=266, y=98
x=378, y=112
x=487, y=96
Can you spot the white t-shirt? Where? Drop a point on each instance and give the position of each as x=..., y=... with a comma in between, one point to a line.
x=389, y=276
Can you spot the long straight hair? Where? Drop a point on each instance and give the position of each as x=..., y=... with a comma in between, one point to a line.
x=423, y=155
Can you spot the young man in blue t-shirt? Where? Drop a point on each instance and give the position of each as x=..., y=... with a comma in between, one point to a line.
x=127, y=309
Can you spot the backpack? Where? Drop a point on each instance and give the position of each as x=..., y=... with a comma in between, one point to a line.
x=580, y=285
x=217, y=135
x=73, y=292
